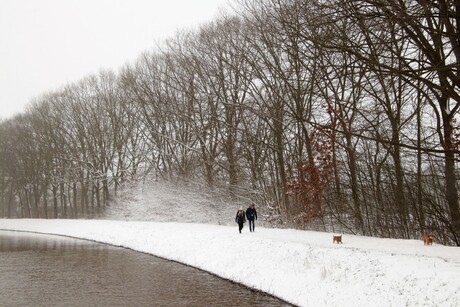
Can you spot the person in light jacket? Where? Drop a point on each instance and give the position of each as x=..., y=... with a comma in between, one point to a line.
x=251, y=215
x=240, y=218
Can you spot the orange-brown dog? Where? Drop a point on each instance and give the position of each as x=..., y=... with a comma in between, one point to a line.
x=428, y=239
x=337, y=239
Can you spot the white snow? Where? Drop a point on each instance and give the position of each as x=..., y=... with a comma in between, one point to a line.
x=302, y=267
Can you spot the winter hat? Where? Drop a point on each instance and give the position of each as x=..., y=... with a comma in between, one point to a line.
x=241, y=208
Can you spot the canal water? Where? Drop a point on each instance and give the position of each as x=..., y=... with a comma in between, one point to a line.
x=45, y=270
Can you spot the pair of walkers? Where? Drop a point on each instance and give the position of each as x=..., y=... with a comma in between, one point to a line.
x=251, y=215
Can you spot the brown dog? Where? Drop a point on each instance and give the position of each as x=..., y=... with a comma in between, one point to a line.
x=337, y=239
x=428, y=239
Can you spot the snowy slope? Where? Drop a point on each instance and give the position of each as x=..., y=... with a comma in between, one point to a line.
x=301, y=267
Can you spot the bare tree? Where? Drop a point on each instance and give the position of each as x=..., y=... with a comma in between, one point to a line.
x=432, y=29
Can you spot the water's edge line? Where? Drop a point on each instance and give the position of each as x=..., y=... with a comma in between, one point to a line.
x=151, y=254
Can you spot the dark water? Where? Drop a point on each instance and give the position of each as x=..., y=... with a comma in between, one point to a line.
x=41, y=270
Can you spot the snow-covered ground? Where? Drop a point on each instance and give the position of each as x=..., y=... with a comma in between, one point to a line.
x=301, y=267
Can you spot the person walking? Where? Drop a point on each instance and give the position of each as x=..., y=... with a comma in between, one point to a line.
x=251, y=215
x=240, y=218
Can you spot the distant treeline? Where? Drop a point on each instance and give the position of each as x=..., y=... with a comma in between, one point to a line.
x=338, y=115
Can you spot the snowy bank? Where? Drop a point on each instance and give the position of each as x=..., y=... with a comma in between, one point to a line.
x=301, y=267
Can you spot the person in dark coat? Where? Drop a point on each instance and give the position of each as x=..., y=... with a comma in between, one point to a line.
x=251, y=215
x=240, y=218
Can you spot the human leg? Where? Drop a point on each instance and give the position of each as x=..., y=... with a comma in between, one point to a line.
x=251, y=225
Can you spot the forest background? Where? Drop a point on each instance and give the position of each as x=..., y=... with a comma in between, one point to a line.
x=330, y=115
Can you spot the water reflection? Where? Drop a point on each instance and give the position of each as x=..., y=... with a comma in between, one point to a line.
x=39, y=270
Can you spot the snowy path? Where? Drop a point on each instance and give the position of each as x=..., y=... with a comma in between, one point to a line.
x=301, y=267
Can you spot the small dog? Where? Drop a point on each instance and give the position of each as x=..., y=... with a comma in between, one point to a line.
x=337, y=239
x=428, y=239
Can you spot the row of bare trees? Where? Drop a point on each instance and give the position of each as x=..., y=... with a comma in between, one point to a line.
x=339, y=115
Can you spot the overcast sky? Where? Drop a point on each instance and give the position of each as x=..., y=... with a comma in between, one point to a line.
x=46, y=44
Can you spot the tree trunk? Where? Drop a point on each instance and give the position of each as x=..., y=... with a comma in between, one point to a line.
x=451, y=180
x=55, y=201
